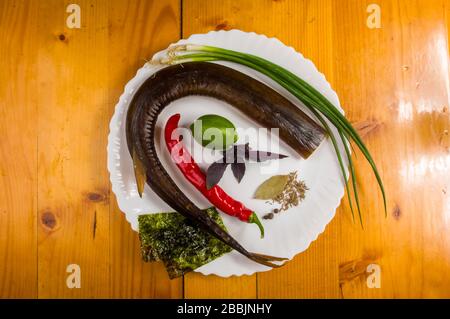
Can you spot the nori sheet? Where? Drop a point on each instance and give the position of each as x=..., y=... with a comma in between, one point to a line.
x=179, y=242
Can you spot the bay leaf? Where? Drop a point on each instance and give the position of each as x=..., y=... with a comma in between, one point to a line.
x=271, y=187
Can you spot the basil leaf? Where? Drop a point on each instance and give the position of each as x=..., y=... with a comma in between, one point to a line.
x=262, y=156
x=238, y=170
x=214, y=173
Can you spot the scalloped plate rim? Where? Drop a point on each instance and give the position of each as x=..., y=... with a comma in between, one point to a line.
x=133, y=84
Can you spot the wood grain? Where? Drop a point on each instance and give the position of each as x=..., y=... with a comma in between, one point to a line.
x=137, y=29
x=73, y=188
x=296, y=23
x=409, y=56
x=204, y=287
x=58, y=88
x=393, y=84
x=18, y=149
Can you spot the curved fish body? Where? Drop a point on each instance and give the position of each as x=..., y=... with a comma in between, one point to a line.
x=248, y=95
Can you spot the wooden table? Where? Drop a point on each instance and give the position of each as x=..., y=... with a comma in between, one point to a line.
x=58, y=88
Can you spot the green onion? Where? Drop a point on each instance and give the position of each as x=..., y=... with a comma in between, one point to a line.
x=318, y=104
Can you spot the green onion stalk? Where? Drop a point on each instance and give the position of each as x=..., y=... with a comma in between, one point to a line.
x=318, y=104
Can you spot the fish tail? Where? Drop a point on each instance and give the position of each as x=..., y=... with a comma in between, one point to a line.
x=266, y=260
x=224, y=236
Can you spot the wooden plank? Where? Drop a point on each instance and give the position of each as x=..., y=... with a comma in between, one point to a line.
x=198, y=286
x=200, y=17
x=137, y=30
x=73, y=202
x=393, y=83
x=313, y=273
x=18, y=162
x=447, y=21
x=397, y=77
x=119, y=32
x=297, y=24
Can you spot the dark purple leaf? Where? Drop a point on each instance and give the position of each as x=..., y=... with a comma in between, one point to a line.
x=214, y=173
x=262, y=156
x=238, y=170
x=236, y=154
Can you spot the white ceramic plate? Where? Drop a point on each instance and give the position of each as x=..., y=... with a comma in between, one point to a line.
x=288, y=234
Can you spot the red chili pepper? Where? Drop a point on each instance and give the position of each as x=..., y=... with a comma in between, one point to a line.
x=216, y=195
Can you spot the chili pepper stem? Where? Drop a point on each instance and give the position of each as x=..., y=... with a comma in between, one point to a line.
x=253, y=219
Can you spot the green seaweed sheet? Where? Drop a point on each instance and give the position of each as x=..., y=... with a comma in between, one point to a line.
x=178, y=242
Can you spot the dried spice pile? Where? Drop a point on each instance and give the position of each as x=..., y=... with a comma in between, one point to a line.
x=292, y=194
x=285, y=190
